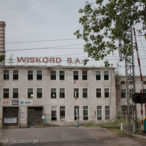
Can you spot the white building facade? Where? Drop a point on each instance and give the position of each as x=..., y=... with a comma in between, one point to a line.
x=30, y=95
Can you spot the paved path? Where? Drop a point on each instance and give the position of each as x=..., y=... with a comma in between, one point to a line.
x=65, y=137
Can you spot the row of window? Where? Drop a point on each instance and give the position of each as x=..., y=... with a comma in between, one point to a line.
x=39, y=93
x=53, y=75
x=124, y=110
x=77, y=113
x=130, y=82
x=131, y=92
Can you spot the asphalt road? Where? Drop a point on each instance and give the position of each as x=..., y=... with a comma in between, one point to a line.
x=63, y=137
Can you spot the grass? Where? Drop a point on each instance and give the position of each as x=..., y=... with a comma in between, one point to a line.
x=112, y=126
x=115, y=124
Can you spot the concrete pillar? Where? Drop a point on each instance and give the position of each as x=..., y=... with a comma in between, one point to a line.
x=2, y=37
x=23, y=116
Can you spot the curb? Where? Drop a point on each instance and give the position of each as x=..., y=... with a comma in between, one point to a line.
x=137, y=136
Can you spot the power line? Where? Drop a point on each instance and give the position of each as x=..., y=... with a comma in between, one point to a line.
x=52, y=47
x=71, y=39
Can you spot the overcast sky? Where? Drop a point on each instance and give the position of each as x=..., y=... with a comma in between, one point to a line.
x=37, y=20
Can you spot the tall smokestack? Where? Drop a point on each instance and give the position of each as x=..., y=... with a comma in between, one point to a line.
x=2, y=37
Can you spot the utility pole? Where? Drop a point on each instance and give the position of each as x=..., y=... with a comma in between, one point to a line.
x=141, y=77
x=130, y=83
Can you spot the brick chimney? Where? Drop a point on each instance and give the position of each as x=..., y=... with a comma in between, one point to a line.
x=2, y=37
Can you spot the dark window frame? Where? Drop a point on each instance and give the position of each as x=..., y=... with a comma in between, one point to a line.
x=123, y=82
x=98, y=92
x=76, y=115
x=106, y=93
x=53, y=93
x=85, y=113
x=6, y=93
x=6, y=75
x=85, y=92
x=106, y=75
x=30, y=93
x=131, y=93
x=84, y=75
x=98, y=76
x=107, y=112
x=53, y=115
x=76, y=92
x=62, y=75
x=123, y=93
x=39, y=93
x=15, y=75
x=62, y=92
x=30, y=75
x=99, y=112
x=15, y=92
x=75, y=75
x=53, y=75
x=62, y=112
x=39, y=74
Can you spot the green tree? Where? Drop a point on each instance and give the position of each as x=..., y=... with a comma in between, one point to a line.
x=2, y=57
x=106, y=25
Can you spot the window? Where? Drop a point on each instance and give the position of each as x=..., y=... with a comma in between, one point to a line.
x=131, y=92
x=106, y=75
x=122, y=82
x=106, y=92
x=62, y=112
x=53, y=75
x=53, y=92
x=98, y=92
x=85, y=112
x=6, y=74
x=76, y=92
x=76, y=112
x=39, y=93
x=123, y=93
x=107, y=112
x=53, y=114
x=30, y=74
x=124, y=111
x=75, y=75
x=98, y=75
x=39, y=75
x=84, y=75
x=6, y=93
x=85, y=92
x=130, y=82
x=30, y=92
x=144, y=82
x=99, y=112
x=62, y=93
x=15, y=75
x=61, y=75
x=15, y=93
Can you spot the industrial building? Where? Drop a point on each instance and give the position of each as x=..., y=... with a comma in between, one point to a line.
x=30, y=95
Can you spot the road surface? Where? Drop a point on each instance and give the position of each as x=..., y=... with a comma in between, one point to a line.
x=60, y=136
